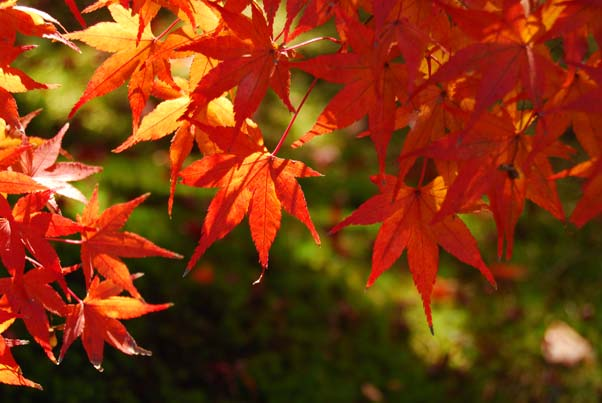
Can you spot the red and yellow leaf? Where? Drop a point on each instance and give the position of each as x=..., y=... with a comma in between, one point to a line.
x=10, y=372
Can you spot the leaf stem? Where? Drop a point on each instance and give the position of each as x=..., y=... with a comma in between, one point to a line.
x=290, y=124
x=169, y=28
x=312, y=40
x=422, y=173
x=69, y=241
x=33, y=261
x=74, y=295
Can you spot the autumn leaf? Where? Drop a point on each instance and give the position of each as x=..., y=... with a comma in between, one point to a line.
x=169, y=116
x=589, y=205
x=9, y=114
x=96, y=320
x=103, y=243
x=75, y=11
x=508, y=49
x=15, y=182
x=10, y=372
x=318, y=12
x=147, y=9
x=373, y=84
x=40, y=164
x=137, y=59
x=30, y=295
x=252, y=181
x=437, y=112
x=27, y=21
x=406, y=214
x=11, y=79
x=24, y=227
x=250, y=60
x=160, y=122
x=496, y=158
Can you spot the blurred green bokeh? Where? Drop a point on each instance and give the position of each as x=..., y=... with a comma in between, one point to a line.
x=310, y=332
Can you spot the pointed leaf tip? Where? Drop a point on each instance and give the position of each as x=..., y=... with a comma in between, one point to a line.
x=432, y=329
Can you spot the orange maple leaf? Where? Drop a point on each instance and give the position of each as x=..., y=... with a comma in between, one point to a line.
x=406, y=214
x=30, y=295
x=24, y=227
x=15, y=182
x=495, y=157
x=145, y=9
x=250, y=60
x=137, y=59
x=95, y=319
x=103, y=243
x=252, y=181
x=374, y=84
x=10, y=372
x=168, y=116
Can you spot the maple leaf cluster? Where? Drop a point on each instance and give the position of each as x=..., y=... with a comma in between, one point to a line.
x=34, y=286
x=484, y=94
x=483, y=101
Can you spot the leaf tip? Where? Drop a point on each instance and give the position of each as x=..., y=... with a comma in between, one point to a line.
x=263, y=269
x=432, y=329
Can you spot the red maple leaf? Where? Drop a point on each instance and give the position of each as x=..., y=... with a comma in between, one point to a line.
x=495, y=157
x=590, y=205
x=250, y=60
x=252, y=181
x=508, y=49
x=374, y=84
x=103, y=243
x=95, y=319
x=30, y=296
x=318, y=12
x=433, y=113
x=24, y=227
x=406, y=214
